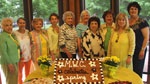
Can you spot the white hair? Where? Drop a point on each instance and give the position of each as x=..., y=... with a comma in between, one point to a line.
x=68, y=13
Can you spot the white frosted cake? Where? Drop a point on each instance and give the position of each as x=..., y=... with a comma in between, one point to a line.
x=78, y=71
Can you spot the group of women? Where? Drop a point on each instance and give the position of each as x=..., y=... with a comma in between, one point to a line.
x=126, y=39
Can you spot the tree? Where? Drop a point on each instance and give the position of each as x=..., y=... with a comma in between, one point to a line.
x=99, y=6
x=11, y=8
x=43, y=8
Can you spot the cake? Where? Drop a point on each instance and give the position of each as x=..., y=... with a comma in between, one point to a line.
x=78, y=71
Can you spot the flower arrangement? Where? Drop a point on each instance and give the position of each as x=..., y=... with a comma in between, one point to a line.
x=44, y=60
x=112, y=61
x=111, y=65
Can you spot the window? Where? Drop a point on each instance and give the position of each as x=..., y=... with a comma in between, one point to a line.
x=13, y=9
x=43, y=9
x=97, y=7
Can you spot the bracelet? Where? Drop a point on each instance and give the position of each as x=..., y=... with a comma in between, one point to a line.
x=142, y=48
x=129, y=55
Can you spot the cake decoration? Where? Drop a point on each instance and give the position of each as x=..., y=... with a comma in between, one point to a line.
x=78, y=71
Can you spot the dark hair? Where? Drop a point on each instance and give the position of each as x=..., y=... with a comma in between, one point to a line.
x=106, y=13
x=21, y=18
x=134, y=4
x=53, y=14
x=94, y=18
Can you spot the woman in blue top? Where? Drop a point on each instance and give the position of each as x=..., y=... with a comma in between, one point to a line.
x=141, y=29
x=81, y=27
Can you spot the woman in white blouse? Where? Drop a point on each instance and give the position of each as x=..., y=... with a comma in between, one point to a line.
x=23, y=38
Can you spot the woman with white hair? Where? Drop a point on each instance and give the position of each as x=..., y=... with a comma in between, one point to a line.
x=9, y=52
x=81, y=27
x=68, y=36
x=122, y=41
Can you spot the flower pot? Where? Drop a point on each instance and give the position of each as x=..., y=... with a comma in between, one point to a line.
x=44, y=69
x=110, y=71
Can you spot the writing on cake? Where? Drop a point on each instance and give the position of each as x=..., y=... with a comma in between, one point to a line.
x=71, y=64
x=78, y=71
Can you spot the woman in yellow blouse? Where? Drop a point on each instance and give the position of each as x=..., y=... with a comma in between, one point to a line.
x=39, y=41
x=122, y=41
x=53, y=32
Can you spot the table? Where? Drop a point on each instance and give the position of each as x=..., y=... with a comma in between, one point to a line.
x=123, y=74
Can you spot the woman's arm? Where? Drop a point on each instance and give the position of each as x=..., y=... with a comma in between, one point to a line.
x=79, y=47
x=32, y=46
x=145, y=33
x=4, y=55
x=131, y=36
x=86, y=43
x=51, y=48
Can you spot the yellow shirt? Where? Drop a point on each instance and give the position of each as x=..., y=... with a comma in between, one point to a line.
x=44, y=45
x=53, y=41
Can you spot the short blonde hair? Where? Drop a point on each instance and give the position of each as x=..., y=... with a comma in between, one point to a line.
x=35, y=20
x=119, y=16
x=68, y=13
x=4, y=22
x=83, y=12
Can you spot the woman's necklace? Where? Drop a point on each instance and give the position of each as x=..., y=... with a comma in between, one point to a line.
x=56, y=28
x=117, y=37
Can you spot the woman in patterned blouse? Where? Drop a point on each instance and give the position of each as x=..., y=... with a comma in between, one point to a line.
x=68, y=36
x=92, y=41
x=39, y=41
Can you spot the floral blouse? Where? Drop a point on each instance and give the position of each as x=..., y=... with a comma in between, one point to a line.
x=24, y=41
x=68, y=38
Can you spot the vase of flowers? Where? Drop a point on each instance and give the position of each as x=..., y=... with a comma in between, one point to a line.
x=111, y=65
x=44, y=62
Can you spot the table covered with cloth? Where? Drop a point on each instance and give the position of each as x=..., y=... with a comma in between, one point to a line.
x=123, y=74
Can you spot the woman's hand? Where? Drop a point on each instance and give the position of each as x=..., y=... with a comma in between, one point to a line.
x=141, y=55
x=11, y=68
x=69, y=55
x=67, y=52
x=129, y=60
x=80, y=54
x=53, y=58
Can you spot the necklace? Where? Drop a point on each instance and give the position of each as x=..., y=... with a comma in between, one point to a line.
x=117, y=37
x=119, y=32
